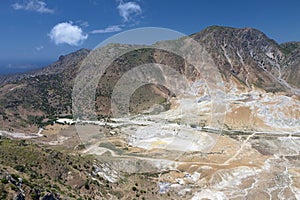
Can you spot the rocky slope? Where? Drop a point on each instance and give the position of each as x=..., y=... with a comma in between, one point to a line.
x=291, y=63
x=33, y=170
x=251, y=57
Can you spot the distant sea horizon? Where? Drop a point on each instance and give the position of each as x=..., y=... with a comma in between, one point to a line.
x=7, y=68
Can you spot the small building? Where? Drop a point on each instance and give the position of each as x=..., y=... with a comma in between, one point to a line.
x=65, y=121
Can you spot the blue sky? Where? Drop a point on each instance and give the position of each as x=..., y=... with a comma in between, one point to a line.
x=36, y=32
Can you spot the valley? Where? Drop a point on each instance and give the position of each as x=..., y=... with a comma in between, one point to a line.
x=227, y=130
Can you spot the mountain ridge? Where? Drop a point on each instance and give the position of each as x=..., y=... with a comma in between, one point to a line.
x=54, y=68
x=244, y=55
x=241, y=50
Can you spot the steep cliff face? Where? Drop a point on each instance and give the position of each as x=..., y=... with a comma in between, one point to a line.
x=291, y=63
x=246, y=54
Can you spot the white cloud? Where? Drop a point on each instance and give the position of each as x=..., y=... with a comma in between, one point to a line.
x=33, y=5
x=109, y=29
x=39, y=48
x=67, y=33
x=128, y=9
x=82, y=23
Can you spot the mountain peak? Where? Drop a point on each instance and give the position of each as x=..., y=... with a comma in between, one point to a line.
x=79, y=52
x=246, y=54
x=220, y=32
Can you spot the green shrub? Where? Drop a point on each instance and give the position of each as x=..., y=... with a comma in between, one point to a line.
x=4, y=181
x=15, y=176
x=20, y=168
